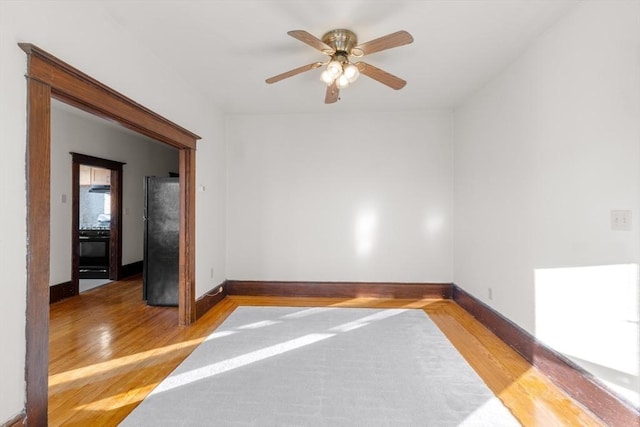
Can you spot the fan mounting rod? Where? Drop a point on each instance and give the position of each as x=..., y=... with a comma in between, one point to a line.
x=342, y=40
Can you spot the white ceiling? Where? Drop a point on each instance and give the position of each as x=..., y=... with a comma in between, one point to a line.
x=229, y=47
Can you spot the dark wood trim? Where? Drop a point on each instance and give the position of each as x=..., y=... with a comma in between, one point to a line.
x=38, y=227
x=509, y=332
x=132, y=269
x=210, y=299
x=98, y=162
x=61, y=291
x=75, y=226
x=17, y=421
x=186, y=298
x=581, y=385
x=48, y=77
x=115, y=242
x=73, y=87
x=339, y=289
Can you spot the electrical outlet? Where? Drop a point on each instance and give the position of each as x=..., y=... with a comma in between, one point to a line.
x=490, y=294
x=621, y=220
x=211, y=273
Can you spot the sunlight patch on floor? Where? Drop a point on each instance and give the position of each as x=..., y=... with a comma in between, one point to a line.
x=260, y=324
x=349, y=326
x=102, y=367
x=213, y=369
x=118, y=400
x=236, y=362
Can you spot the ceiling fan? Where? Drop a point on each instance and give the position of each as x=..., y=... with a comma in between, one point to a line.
x=339, y=45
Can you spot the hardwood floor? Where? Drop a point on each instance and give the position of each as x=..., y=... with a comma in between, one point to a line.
x=108, y=350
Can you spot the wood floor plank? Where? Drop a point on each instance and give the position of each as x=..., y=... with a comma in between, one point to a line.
x=108, y=350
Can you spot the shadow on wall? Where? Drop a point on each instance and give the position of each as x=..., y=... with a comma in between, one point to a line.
x=591, y=315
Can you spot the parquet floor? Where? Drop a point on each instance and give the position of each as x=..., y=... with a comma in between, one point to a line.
x=108, y=350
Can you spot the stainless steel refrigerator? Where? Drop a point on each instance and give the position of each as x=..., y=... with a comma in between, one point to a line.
x=161, y=238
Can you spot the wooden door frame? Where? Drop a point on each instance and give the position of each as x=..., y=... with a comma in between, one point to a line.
x=48, y=77
x=115, y=241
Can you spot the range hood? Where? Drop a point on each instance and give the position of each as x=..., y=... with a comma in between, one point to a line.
x=100, y=189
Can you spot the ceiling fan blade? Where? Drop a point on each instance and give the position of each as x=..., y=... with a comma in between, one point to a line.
x=399, y=38
x=312, y=41
x=332, y=93
x=293, y=72
x=380, y=75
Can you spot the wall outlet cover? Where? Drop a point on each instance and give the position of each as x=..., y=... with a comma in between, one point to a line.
x=621, y=220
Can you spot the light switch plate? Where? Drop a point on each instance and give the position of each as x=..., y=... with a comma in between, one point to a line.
x=621, y=220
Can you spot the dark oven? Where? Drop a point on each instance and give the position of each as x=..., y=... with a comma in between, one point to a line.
x=94, y=254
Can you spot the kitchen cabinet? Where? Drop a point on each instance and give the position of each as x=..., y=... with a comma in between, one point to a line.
x=94, y=176
x=100, y=176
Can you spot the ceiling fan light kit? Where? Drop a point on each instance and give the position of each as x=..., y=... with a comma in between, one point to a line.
x=340, y=70
x=339, y=73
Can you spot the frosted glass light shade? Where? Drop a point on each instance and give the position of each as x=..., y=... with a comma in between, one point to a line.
x=351, y=72
x=334, y=69
x=326, y=77
x=342, y=81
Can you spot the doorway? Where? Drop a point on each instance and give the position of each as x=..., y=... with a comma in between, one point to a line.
x=47, y=78
x=96, y=227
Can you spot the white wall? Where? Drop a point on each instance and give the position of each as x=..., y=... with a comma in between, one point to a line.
x=542, y=155
x=354, y=197
x=84, y=35
x=79, y=132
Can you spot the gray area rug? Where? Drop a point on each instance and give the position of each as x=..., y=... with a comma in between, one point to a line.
x=281, y=366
